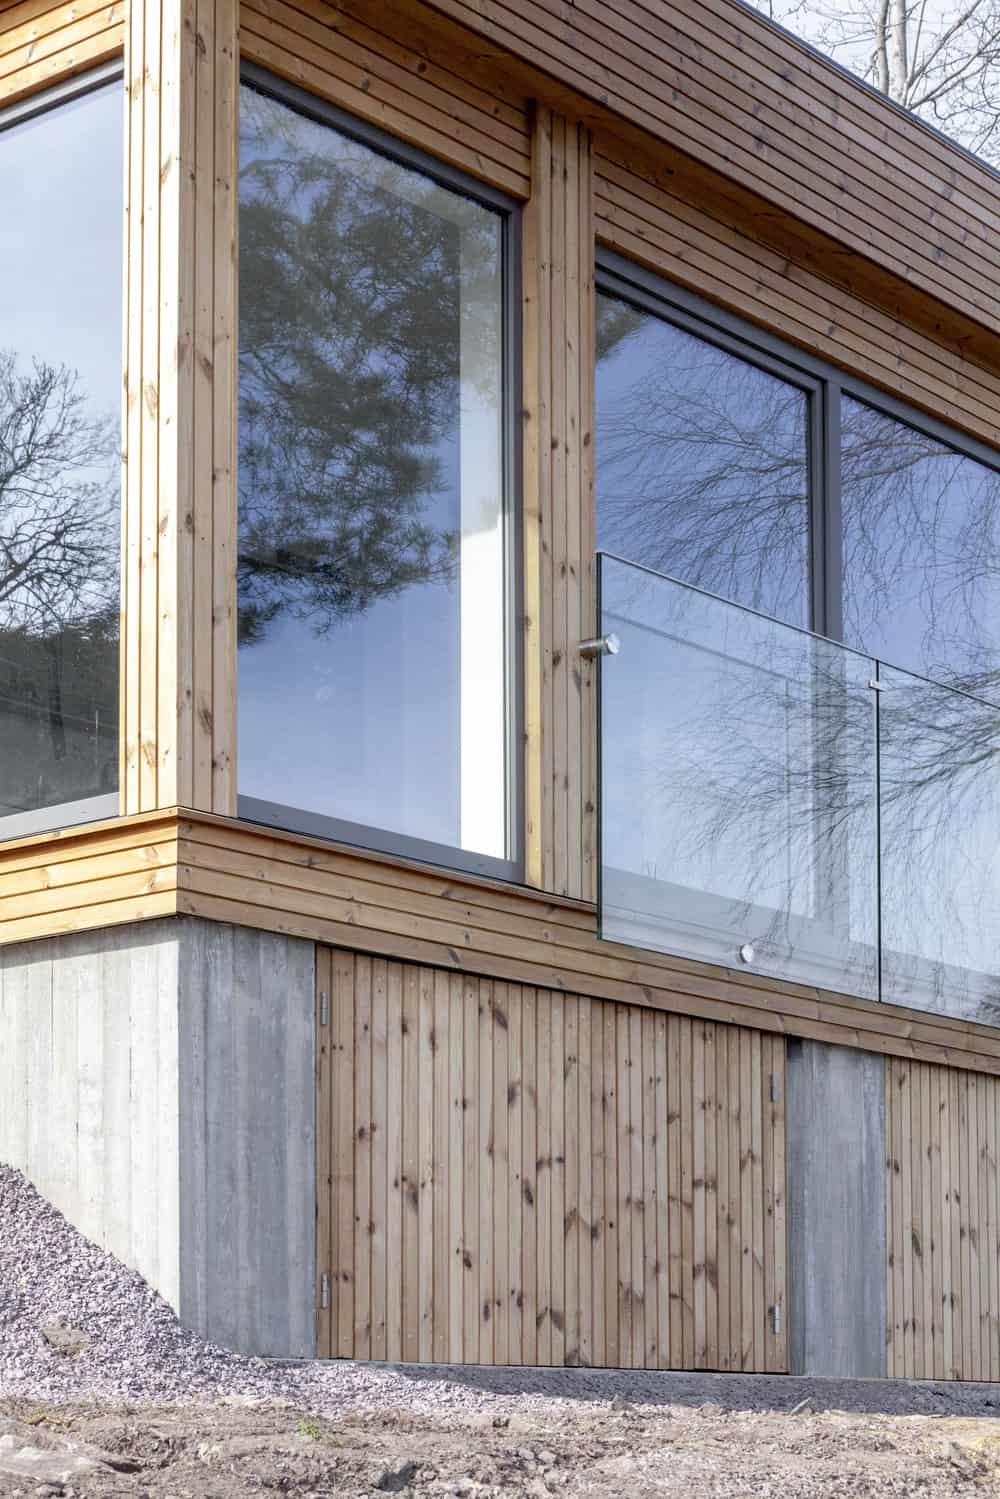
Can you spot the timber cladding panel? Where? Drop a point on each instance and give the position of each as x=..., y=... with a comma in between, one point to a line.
x=665, y=228
x=386, y=74
x=943, y=1222
x=178, y=698
x=43, y=42
x=510, y=1175
x=746, y=100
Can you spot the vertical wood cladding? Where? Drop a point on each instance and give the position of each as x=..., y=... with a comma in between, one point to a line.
x=43, y=42
x=943, y=1222
x=515, y=1176
x=560, y=709
x=179, y=670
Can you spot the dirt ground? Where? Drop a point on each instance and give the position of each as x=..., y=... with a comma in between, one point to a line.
x=571, y=1448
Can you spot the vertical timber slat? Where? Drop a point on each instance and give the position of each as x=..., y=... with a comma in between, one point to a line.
x=524, y=1176
x=179, y=489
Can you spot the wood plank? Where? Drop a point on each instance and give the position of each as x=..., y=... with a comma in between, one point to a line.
x=500, y=1157
x=383, y=1090
x=543, y=1181
x=484, y=1090
x=342, y=1014
x=394, y=1166
x=441, y=1167
x=529, y=1183
x=471, y=1109
x=324, y=1157
x=363, y=1124
x=515, y=1151
x=571, y=1225
x=586, y=1140
x=426, y=1046
x=456, y=1168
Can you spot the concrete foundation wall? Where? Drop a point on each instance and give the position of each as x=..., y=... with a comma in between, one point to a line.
x=836, y=1210
x=157, y=1085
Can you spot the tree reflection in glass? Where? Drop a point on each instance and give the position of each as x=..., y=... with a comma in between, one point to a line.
x=371, y=554
x=741, y=760
x=60, y=459
x=702, y=463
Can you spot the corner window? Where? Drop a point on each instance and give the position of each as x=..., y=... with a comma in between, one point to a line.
x=61, y=184
x=375, y=520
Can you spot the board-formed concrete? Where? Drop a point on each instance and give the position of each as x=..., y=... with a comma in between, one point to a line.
x=157, y=1085
x=836, y=1210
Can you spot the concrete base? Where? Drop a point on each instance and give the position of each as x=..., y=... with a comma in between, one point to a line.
x=157, y=1085
x=836, y=1210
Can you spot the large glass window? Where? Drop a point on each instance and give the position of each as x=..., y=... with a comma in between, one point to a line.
x=373, y=680
x=61, y=183
x=921, y=528
x=702, y=463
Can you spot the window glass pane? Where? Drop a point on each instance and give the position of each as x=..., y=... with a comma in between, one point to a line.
x=702, y=463
x=372, y=659
x=921, y=551
x=60, y=456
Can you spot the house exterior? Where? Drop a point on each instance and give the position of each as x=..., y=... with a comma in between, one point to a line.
x=504, y=869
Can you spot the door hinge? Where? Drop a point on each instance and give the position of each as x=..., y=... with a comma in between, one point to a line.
x=776, y=1318
x=324, y=1007
x=774, y=1088
x=324, y=1290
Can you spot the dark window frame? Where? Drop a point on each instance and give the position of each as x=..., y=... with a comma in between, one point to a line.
x=92, y=808
x=650, y=291
x=380, y=840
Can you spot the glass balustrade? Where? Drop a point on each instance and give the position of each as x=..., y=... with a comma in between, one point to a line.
x=776, y=803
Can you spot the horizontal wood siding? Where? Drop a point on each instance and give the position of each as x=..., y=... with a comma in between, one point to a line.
x=943, y=1217
x=560, y=709
x=85, y=878
x=43, y=43
x=711, y=79
x=386, y=76
x=509, y=1175
x=179, y=671
x=641, y=218
x=284, y=882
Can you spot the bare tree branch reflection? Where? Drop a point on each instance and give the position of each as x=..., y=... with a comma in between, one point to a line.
x=767, y=757
x=59, y=568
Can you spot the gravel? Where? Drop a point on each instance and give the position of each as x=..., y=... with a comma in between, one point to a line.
x=135, y=1350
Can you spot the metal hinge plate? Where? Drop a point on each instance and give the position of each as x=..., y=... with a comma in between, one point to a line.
x=324, y=1007
x=324, y=1291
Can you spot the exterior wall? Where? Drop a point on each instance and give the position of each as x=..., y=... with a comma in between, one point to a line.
x=158, y=1089
x=515, y=1176
x=943, y=1210
x=836, y=1211
x=88, y=1107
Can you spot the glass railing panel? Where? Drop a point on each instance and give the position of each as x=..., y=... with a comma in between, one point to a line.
x=939, y=772
x=738, y=784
